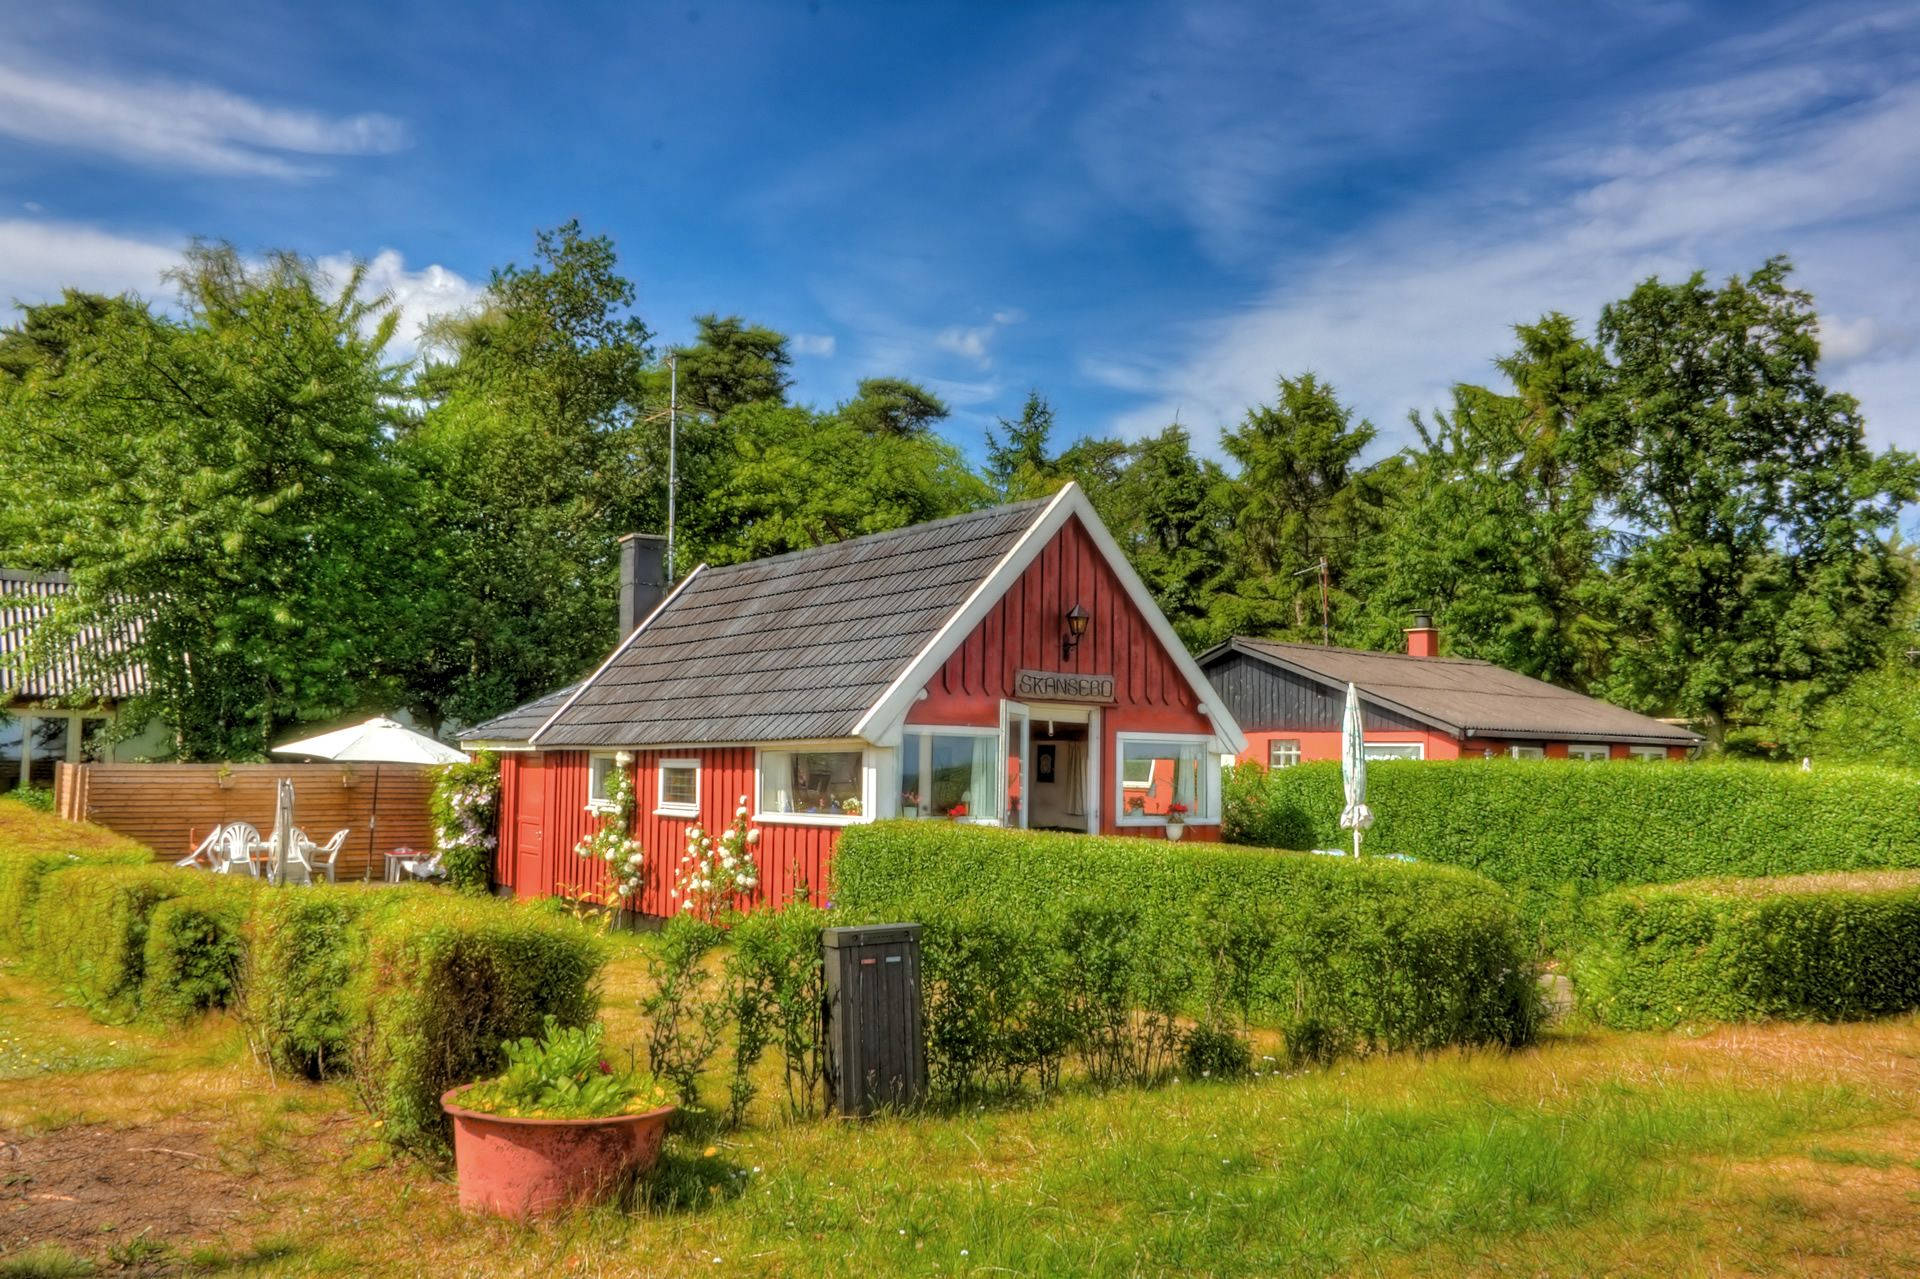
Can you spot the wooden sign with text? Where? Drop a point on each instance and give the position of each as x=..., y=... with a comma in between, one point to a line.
x=1061, y=686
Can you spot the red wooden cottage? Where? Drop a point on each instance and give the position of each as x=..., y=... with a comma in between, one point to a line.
x=1005, y=667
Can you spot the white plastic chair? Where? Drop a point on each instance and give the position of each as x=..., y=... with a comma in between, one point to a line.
x=205, y=851
x=322, y=859
x=236, y=847
x=424, y=867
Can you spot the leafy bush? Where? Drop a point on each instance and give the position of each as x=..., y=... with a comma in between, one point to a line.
x=307, y=950
x=38, y=798
x=1825, y=947
x=466, y=817
x=1557, y=833
x=446, y=980
x=196, y=944
x=776, y=987
x=90, y=932
x=683, y=1022
x=564, y=1074
x=1343, y=956
x=21, y=873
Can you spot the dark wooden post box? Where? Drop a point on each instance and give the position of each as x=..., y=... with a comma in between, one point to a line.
x=876, y=1050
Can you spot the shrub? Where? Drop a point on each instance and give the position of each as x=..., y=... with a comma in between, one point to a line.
x=196, y=944
x=448, y=979
x=995, y=1002
x=683, y=1023
x=1823, y=947
x=307, y=949
x=1557, y=833
x=1341, y=955
x=23, y=868
x=142, y=940
x=466, y=815
x=776, y=986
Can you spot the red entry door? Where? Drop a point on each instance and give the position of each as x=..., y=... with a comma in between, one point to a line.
x=530, y=827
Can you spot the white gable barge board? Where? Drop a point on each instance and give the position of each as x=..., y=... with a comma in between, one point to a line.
x=883, y=720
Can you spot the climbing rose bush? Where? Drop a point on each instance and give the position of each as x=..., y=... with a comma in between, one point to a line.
x=713, y=872
x=466, y=809
x=614, y=843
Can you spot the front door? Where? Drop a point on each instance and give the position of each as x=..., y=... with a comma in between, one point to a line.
x=1016, y=749
x=530, y=824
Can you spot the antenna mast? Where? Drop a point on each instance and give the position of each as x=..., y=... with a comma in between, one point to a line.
x=673, y=450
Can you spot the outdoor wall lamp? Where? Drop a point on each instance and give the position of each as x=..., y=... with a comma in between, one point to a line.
x=1076, y=627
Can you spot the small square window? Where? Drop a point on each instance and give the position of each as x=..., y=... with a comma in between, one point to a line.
x=599, y=782
x=1283, y=752
x=679, y=787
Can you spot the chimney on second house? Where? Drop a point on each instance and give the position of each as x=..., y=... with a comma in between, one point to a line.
x=643, y=578
x=1423, y=637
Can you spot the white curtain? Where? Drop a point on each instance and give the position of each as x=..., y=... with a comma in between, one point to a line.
x=988, y=782
x=1074, y=775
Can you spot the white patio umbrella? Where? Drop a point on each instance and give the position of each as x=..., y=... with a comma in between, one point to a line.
x=1356, y=816
x=378, y=741
x=282, y=832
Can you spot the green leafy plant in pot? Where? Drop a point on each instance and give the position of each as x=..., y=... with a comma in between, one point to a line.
x=560, y=1125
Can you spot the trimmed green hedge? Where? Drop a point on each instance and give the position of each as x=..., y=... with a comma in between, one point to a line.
x=306, y=950
x=196, y=945
x=1351, y=955
x=21, y=875
x=90, y=932
x=1558, y=832
x=1823, y=947
x=446, y=980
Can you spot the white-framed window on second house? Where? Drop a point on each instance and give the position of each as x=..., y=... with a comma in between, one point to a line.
x=1396, y=750
x=1649, y=753
x=820, y=786
x=1283, y=752
x=952, y=773
x=600, y=766
x=1519, y=751
x=1594, y=752
x=679, y=788
x=1160, y=770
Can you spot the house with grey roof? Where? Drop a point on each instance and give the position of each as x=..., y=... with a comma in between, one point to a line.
x=1005, y=666
x=1289, y=698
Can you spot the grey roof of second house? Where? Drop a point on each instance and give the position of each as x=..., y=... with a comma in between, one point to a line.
x=1465, y=696
x=792, y=647
x=517, y=725
x=88, y=666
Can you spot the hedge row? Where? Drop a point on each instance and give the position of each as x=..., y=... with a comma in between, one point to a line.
x=1340, y=955
x=1824, y=947
x=1559, y=832
x=407, y=991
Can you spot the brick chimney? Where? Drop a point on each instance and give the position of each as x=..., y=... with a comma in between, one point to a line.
x=1423, y=637
x=643, y=578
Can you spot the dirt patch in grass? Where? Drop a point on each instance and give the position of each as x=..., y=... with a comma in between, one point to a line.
x=90, y=1186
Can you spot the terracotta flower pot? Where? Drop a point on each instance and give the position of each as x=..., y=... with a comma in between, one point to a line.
x=523, y=1168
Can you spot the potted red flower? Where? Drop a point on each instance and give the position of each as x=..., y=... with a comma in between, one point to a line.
x=1176, y=820
x=560, y=1125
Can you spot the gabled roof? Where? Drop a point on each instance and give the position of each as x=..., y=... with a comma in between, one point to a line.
x=1463, y=696
x=515, y=727
x=825, y=644
x=87, y=666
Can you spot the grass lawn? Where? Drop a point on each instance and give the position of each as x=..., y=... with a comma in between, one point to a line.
x=1777, y=1150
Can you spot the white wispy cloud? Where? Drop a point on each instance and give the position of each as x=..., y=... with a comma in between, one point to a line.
x=821, y=345
x=1816, y=157
x=975, y=341
x=38, y=258
x=167, y=124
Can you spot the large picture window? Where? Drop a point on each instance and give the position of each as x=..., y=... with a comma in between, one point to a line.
x=821, y=784
x=1158, y=772
x=1395, y=750
x=951, y=773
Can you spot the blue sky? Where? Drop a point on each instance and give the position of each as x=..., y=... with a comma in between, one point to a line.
x=1141, y=210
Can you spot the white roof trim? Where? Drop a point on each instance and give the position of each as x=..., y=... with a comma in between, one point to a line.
x=1070, y=501
x=533, y=738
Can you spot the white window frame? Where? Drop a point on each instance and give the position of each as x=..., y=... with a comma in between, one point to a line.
x=664, y=807
x=1526, y=750
x=1291, y=742
x=869, y=776
x=1209, y=778
x=1591, y=752
x=1648, y=754
x=926, y=733
x=597, y=800
x=1393, y=750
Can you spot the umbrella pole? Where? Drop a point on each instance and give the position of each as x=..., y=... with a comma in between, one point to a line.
x=373, y=824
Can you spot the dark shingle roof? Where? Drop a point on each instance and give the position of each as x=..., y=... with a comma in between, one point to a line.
x=791, y=647
x=87, y=666
x=1469, y=697
x=517, y=725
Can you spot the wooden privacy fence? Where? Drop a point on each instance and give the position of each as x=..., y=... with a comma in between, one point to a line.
x=171, y=807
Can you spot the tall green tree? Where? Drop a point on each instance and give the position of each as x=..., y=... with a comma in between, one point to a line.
x=732, y=363
x=1752, y=574
x=1019, y=464
x=1172, y=513
x=217, y=484
x=537, y=449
